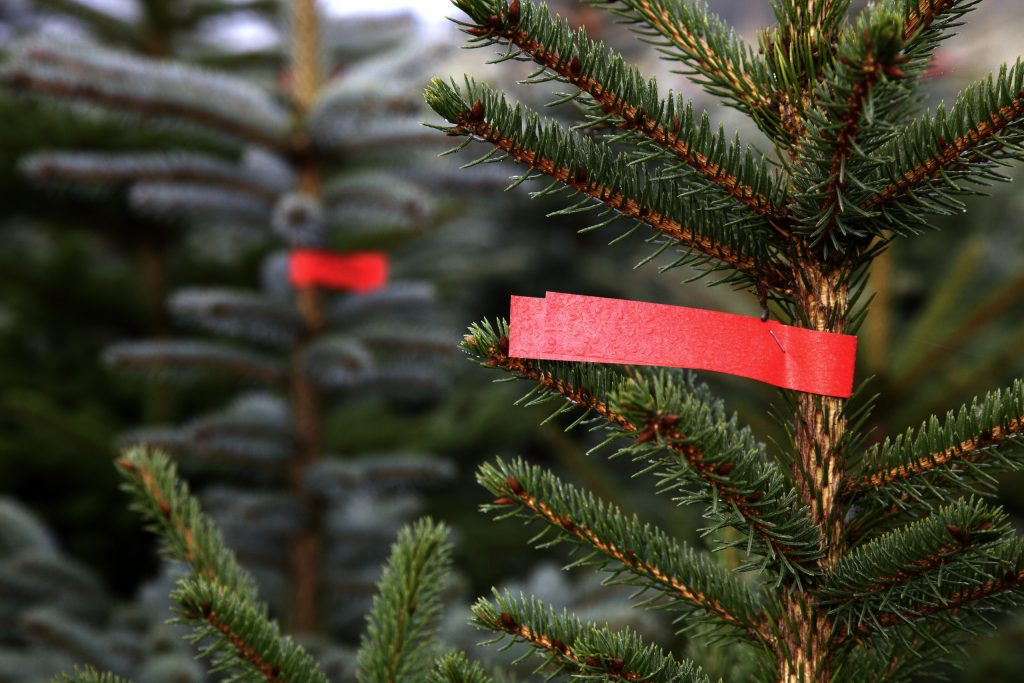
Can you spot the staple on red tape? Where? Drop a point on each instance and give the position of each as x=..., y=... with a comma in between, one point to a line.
x=361, y=271
x=599, y=330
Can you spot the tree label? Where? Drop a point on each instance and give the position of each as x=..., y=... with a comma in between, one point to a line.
x=591, y=329
x=360, y=271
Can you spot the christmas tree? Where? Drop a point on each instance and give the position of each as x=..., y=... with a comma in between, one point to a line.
x=81, y=260
x=871, y=562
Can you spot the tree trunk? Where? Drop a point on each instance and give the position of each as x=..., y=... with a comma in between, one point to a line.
x=804, y=654
x=307, y=547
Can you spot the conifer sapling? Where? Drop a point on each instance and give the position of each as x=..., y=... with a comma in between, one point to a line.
x=872, y=562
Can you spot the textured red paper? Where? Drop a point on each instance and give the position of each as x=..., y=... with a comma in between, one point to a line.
x=357, y=271
x=599, y=330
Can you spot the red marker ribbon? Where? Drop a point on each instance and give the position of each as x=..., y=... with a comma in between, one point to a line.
x=361, y=271
x=598, y=330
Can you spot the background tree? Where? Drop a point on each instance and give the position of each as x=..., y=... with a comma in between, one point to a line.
x=61, y=273
x=346, y=165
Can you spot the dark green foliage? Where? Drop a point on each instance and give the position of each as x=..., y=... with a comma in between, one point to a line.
x=232, y=627
x=910, y=565
x=88, y=676
x=944, y=459
x=189, y=359
x=399, y=642
x=574, y=648
x=709, y=51
x=679, y=579
x=946, y=154
x=927, y=24
x=685, y=438
x=235, y=633
x=609, y=86
x=604, y=180
x=842, y=135
x=956, y=599
x=454, y=667
x=304, y=169
x=871, y=564
x=217, y=598
x=170, y=511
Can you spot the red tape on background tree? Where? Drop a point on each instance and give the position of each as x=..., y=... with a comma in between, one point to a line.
x=356, y=271
x=598, y=330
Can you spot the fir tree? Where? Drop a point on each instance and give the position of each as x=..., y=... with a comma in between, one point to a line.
x=341, y=165
x=84, y=261
x=872, y=563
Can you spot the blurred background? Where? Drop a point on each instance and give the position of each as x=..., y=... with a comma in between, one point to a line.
x=144, y=299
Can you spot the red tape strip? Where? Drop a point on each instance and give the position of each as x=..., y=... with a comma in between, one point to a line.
x=598, y=330
x=361, y=271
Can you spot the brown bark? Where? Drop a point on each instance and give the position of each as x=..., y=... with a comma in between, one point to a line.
x=820, y=425
x=804, y=652
x=803, y=645
x=305, y=551
x=306, y=548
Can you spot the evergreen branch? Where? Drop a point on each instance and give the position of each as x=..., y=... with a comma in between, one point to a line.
x=406, y=297
x=877, y=573
x=922, y=17
x=716, y=57
x=799, y=52
x=122, y=101
x=237, y=635
x=942, y=459
x=683, y=435
x=337, y=359
x=926, y=23
x=89, y=675
x=331, y=478
x=219, y=598
x=490, y=345
x=102, y=24
x=583, y=650
x=126, y=169
x=399, y=641
x=926, y=158
x=455, y=667
x=979, y=582
x=868, y=54
x=382, y=191
x=915, y=651
x=586, y=168
x=147, y=87
x=171, y=512
x=201, y=10
x=171, y=201
x=818, y=19
x=619, y=90
x=691, y=583
x=255, y=432
x=240, y=314
x=404, y=338
x=187, y=357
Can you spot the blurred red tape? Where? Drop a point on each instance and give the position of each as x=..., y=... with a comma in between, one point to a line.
x=360, y=271
x=597, y=330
